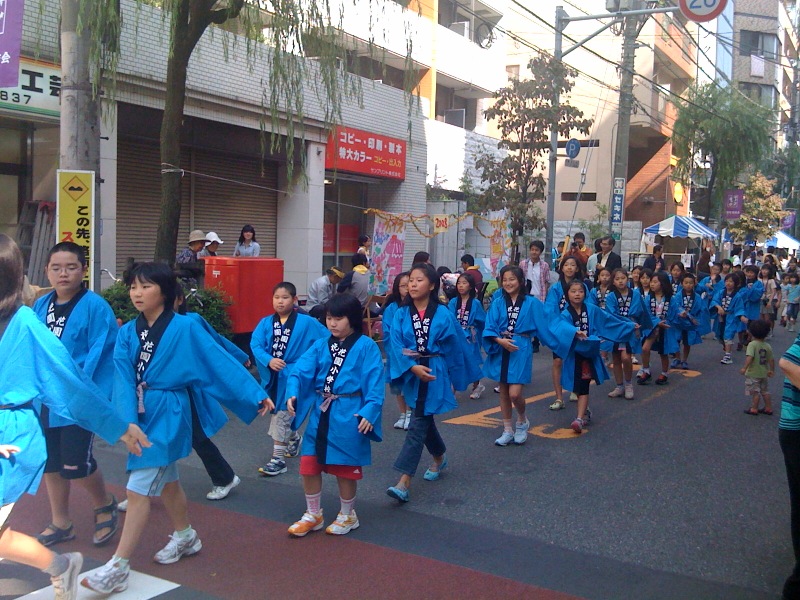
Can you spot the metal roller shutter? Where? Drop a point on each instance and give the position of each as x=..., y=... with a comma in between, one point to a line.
x=138, y=201
x=226, y=206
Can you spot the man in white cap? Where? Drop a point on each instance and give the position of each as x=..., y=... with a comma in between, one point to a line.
x=212, y=245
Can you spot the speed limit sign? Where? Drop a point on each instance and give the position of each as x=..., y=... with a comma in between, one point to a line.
x=701, y=11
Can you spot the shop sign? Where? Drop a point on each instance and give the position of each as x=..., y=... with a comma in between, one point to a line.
x=38, y=89
x=75, y=213
x=366, y=153
x=10, y=40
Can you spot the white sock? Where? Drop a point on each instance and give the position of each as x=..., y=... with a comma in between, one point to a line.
x=279, y=451
x=313, y=502
x=347, y=505
x=123, y=563
x=507, y=427
x=185, y=534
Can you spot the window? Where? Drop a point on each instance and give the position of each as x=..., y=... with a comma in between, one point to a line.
x=512, y=71
x=573, y=196
x=766, y=95
x=758, y=43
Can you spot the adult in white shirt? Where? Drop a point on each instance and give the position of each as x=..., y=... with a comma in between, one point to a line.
x=536, y=271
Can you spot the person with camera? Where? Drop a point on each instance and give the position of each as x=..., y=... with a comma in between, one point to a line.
x=579, y=250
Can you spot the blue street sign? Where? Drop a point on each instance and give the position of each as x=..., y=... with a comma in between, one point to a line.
x=616, y=207
x=573, y=148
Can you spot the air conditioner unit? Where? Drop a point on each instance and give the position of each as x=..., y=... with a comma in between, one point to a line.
x=456, y=116
x=461, y=28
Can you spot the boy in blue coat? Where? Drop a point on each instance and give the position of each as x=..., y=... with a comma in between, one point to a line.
x=278, y=341
x=85, y=324
x=691, y=322
x=338, y=385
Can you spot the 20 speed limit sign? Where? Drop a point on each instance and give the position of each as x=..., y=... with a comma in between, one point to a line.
x=701, y=11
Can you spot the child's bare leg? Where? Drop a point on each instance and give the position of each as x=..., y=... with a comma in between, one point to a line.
x=664, y=363
x=505, y=402
x=557, y=365
x=347, y=488
x=515, y=398
x=617, y=368
x=177, y=507
x=583, y=404
x=401, y=403
x=754, y=401
x=686, y=349
x=767, y=401
x=135, y=520
x=24, y=549
x=312, y=484
x=58, y=490
x=627, y=365
x=648, y=343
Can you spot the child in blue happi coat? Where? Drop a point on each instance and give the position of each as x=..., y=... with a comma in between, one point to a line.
x=731, y=313
x=751, y=293
x=663, y=310
x=691, y=322
x=707, y=287
x=472, y=318
x=393, y=302
x=338, y=384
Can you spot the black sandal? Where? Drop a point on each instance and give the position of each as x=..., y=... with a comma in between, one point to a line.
x=59, y=535
x=112, y=523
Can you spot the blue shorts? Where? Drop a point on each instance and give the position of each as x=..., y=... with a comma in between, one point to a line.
x=150, y=482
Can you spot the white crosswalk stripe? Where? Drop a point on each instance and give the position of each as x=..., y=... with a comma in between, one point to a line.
x=140, y=587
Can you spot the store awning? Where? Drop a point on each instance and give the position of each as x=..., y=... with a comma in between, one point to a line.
x=684, y=227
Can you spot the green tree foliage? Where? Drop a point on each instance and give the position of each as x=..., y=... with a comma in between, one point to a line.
x=762, y=212
x=525, y=114
x=279, y=36
x=722, y=127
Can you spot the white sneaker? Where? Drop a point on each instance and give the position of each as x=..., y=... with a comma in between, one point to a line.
x=628, y=391
x=400, y=423
x=521, y=432
x=220, y=492
x=122, y=506
x=505, y=439
x=65, y=586
x=727, y=360
x=616, y=392
x=177, y=548
x=343, y=524
x=407, y=422
x=573, y=397
x=109, y=578
x=476, y=393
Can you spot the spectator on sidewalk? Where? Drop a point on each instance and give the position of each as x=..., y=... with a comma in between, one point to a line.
x=321, y=290
x=212, y=245
x=468, y=266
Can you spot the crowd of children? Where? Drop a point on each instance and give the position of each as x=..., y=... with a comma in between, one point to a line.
x=160, y=381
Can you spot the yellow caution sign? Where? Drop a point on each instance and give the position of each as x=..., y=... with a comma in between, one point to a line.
x=75, y=213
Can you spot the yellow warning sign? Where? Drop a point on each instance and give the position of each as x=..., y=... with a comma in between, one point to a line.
x=75, y=209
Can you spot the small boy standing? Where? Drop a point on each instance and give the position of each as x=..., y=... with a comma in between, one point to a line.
x=758, y=367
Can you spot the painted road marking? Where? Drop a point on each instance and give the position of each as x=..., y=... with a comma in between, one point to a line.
x=140, y=587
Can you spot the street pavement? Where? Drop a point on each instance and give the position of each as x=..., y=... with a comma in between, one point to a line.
x=675, y=494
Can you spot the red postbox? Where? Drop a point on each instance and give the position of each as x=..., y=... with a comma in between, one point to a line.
x=248, y=282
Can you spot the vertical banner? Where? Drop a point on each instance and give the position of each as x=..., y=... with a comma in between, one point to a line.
x=388, y=245
x=733, y=204
x=617, y=207
x=75, y=213
x=499, y=242
x=10, y=41
x=787, y=222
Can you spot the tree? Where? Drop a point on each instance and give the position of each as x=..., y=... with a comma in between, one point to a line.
x=723, y=128
x=525, y=114
x=784, y=167
x=284, y=32
x=762, y=211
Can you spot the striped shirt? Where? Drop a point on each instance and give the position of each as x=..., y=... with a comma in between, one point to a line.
x=790, y=403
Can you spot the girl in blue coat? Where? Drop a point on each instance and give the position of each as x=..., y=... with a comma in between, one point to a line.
x=278, y=341
x=86, y=325
x=393, y=302
x=729, y=305
x=472, y=318
x=663, y=310
x=338, y=385
x=590, y=325
x=430, y=358
x=514, y=319
x=556, y=301
x=627, y=303
x=691, y=322
x=707, y=287
x=159, y=358
x=38, y=370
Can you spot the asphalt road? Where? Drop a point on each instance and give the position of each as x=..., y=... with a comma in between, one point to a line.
x=675, y=494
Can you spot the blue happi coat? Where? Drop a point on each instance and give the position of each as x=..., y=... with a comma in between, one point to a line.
x=707, y=290
x=473, y=332
x=37, y=369
x=361, y=388
x=636, y=313
x=534, y=320
x=216, y=416
x=598, y=297
x=751, y=298
x=603, y=326
x=669, y=333
x=696, y=322
x=557, y=300
x=452, y=366
x=307, y=330
x=186, y=358
x=731, y=324
x=387, y=317
x=89, y=336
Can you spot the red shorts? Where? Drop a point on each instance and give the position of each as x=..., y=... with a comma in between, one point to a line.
x=310, y=466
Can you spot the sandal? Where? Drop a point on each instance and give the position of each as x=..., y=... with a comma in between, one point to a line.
x=752, y=412
x=59, y=535
x=765, y=411
x=557, y=405
x=112, y=523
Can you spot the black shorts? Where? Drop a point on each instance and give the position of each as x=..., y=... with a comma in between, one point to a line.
x=658, y=341
x=69, y=452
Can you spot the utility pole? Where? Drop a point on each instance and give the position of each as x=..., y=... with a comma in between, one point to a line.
x=79, y=147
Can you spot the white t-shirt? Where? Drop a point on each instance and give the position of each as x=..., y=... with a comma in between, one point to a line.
x=534, y=275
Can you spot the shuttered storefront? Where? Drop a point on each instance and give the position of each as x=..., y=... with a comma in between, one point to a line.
x=218, y=203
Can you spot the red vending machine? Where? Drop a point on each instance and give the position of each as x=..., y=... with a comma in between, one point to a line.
x=248, y=282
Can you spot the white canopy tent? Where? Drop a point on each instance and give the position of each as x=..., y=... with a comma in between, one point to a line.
x=783, y=240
